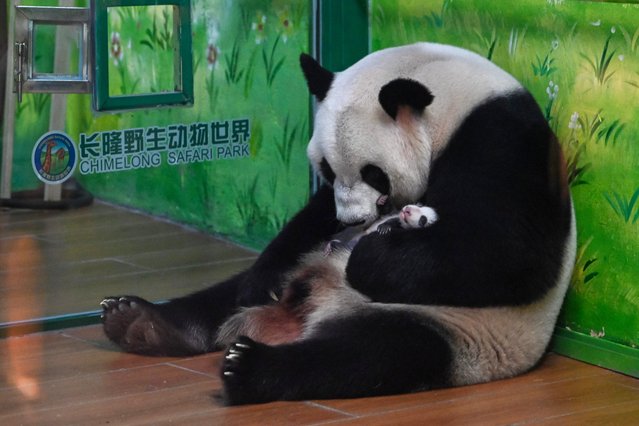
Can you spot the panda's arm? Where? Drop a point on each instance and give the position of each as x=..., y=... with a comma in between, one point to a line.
x=389, y=225
x=458, y=263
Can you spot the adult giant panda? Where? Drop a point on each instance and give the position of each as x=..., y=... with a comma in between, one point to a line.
x=471, y=298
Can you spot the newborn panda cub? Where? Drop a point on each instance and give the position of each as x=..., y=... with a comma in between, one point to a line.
x=411, y=216
x=293, y=315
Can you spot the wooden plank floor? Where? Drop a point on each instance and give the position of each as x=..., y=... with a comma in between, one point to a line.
x=76, y=377
x=59, y=262
x=53, y=263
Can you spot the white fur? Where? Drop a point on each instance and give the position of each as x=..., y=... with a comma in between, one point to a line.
x=349, y=137
x=496, y=343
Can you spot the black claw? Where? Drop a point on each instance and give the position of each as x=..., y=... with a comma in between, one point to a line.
x=235, y=357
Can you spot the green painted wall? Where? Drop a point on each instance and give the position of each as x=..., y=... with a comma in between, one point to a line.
x=245, y=66
x=581, y=61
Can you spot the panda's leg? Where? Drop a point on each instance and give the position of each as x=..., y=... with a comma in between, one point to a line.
x=183, y=326
x=375, y=352
x=188, y=325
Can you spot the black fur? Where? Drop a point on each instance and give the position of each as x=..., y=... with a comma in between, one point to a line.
x=327, y=172
x=503, y=219
x=297, y=292
x=376, y=178
x=319, y=79
x=404, y=91
x=370, y=353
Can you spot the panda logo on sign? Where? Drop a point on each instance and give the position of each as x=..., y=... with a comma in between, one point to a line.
x=470, y=296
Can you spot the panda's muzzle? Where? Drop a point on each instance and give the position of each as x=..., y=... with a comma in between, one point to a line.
x=355, y=205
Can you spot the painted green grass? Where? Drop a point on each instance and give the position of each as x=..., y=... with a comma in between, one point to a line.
x=580, y=61
x=140, y=50
x=249, y=199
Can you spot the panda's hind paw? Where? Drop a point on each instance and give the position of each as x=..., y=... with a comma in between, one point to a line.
x=128, y=322
x=239, y=373
x=139, y=326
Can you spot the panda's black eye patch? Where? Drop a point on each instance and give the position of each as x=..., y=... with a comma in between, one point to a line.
x=376, y=178
x=326, y=171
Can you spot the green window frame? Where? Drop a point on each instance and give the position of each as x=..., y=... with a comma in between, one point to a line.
x=183, y=58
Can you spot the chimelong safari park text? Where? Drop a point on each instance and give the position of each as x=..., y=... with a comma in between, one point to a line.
x=139, y=148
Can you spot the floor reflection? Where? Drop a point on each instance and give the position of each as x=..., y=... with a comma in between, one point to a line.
x=21, y=300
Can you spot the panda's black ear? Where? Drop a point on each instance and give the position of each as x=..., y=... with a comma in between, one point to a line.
x=404, y=92
x=319, y=79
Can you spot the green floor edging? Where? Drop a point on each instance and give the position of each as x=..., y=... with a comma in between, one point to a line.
x=53, y=323
x=594, y=350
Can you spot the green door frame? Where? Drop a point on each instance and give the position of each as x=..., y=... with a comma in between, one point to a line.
x=343, y=32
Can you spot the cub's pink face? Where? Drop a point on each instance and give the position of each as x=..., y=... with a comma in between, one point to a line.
x=414, y=216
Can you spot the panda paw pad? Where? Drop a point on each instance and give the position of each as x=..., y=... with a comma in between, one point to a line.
x=134, y=324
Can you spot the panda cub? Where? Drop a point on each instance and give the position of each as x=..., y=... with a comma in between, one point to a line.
x=411, y=216
x=305, y=296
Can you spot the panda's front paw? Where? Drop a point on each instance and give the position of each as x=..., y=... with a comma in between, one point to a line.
x=384, y=229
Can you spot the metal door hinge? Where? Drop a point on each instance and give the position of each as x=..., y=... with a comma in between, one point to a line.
x=18, y=67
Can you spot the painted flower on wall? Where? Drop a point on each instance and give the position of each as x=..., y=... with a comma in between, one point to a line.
x=552, y=90
x=212, y=49
x=286, y=24
x=211, y=56
x=574, y=121
x=116, y=51
x=259, y=27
